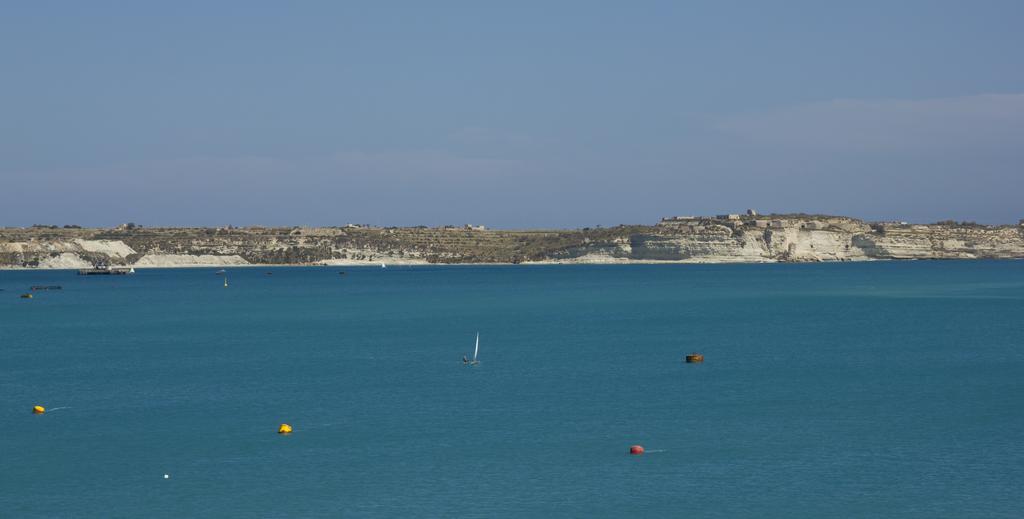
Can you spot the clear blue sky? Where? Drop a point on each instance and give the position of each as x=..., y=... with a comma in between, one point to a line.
x=513, y=114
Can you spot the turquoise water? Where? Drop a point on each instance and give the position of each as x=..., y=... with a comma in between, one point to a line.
x=871, y=389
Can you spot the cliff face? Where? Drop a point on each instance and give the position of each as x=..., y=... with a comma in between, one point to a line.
x=793, y=238
x=943, y=242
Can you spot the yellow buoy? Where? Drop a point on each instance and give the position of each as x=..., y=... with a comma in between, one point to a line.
x=38, y=409
x=284, y=429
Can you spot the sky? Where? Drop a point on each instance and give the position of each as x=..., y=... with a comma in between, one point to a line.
x=547, y=114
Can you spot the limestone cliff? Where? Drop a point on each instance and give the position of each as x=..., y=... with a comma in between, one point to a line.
x=773, y=238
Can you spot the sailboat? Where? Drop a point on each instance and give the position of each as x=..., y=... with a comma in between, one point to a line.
x=476, y=350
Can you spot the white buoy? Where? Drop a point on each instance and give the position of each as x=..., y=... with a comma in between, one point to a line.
x=167, y=476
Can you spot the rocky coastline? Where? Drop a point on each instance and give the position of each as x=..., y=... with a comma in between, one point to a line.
x=717, y=239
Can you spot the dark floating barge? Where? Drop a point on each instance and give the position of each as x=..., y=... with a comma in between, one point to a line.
x=106, y=271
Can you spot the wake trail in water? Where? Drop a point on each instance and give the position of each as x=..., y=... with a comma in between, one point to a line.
x=306, y=427
x=317, y=426
x=52, y=409
x=654, y=451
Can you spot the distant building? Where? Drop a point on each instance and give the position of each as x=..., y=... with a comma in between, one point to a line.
x=777, y=224
x=475, y=227
x=760, y=223
x=728, y=217
x=751, y=212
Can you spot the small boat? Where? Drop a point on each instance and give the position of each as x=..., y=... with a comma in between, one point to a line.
x=26, y=296
x=383, y=266
x=694, y=358
x=476, y=350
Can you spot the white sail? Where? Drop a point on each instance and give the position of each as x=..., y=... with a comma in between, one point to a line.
x=477, y=348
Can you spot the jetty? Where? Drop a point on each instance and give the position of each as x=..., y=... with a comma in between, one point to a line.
x=106, y=271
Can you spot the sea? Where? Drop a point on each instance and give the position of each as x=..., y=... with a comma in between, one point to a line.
x=875, y=389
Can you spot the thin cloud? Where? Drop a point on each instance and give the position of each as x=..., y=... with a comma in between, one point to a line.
x=981, y=122
x=429, y=165
x=480, y=136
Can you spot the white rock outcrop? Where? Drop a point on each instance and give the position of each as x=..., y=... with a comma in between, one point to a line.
x=112, y=248
x=64, y=260
x=188, y=260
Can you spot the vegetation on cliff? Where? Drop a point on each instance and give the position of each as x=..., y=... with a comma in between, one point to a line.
x=795, y=237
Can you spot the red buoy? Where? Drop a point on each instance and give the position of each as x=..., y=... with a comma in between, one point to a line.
x=636, y=449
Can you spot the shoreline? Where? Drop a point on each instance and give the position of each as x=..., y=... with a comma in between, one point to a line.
x=424, y=264
x=376, y=265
